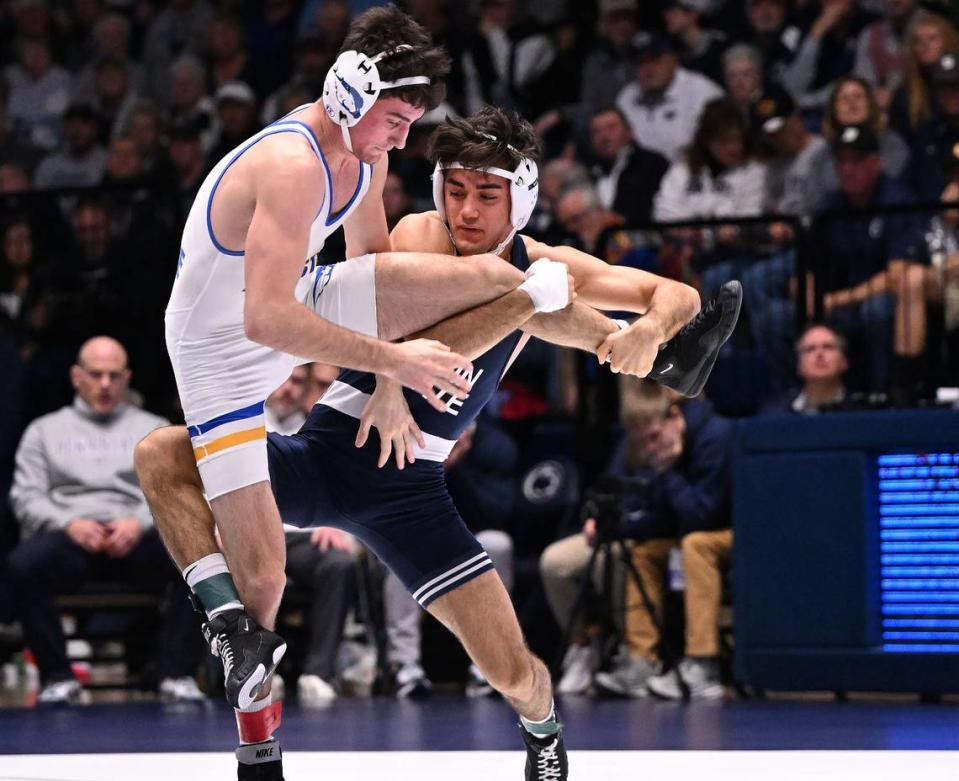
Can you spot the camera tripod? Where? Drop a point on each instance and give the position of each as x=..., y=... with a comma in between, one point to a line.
x=610, y=546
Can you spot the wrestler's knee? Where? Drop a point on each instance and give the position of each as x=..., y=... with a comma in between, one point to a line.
x=513, y=674
x=164, y=455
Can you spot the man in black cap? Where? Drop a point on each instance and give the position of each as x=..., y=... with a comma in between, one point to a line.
x=871, y=264
x=189, y=162
x=664, y=101
x=83, y=161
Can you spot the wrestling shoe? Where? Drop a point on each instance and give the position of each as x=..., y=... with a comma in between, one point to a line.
x=412, y=683
x=685, y=361
x=260, y=761
x=249, y=654
x=545, y=757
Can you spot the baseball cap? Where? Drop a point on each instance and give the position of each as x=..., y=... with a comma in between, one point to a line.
x=946, y=70
x=236, y=90
x=771, y=110
x=860, y=138
x=651, y=42
x=185, y=130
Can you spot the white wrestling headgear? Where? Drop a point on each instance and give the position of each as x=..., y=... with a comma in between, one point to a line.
x=523, y=190
x=353, y=84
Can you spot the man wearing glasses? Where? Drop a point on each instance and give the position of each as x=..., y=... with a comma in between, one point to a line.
x=821, y=366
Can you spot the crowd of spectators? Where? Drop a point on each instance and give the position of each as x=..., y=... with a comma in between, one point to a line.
x=809, y=125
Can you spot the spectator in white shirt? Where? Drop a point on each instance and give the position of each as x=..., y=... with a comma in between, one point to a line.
x=664, y=102
x=718, y=176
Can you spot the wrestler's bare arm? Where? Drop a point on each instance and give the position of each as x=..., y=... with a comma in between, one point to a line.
x=666, y=304
x=365, y=229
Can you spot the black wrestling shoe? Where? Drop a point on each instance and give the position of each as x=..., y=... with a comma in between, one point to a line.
x=545, y=757
x=260, y=761
x=249, y=654
x=685, y=361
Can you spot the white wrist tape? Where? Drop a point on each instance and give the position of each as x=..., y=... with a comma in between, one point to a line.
x=623, y=325
x=547, y=285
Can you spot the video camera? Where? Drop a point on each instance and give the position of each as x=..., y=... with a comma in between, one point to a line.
x=604, y=501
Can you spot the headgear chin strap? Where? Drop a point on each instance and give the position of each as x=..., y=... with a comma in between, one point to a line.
x=353, y=84
x=523, y=191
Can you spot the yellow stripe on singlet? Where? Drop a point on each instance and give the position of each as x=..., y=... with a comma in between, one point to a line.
x=228, y=441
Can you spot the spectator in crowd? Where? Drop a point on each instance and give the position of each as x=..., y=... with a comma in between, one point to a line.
x=322, y=375
x=83, y=517
x=609, y=66
x=717, y=177
x=396, y=201
x=189, y=161
x=479, y=474
x=17, y=280
x=942, y=277
x=879, y=50
x=934, y=136
x=226, y=49
x=789, y=169
x=580, y=212
x=826, y=53
x=853, y=102
x=15, y=144
x=821, y=366
x=928, y=38
x=13, y=179
x=39, y=91
x=743, y=75
x=146, y=127
x=83, y=161
x=626, y=175
x=110, y=39
x=189, y=101
x=503, y=58
x=179, y=29
x=773, y=33
x=872, y=283
x=664, y=101
x=125, y=162
x=555, y=178
x=114, y=96
x=328, y=19
x=286, y=408
x=700, y=49
x=236, y=117
x=682, y=453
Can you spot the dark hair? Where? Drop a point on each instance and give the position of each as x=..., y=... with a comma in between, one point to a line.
x=831, y=125
x=609, y=108
x=468, y=142
x=840, y=339
x=383, y=29
x=719, y=117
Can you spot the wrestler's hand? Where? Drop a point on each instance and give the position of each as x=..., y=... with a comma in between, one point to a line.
x=633, y=350
x=429, y=368
x=388, y=412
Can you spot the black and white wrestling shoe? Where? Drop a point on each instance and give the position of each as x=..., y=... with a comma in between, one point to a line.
x=249, y=654
x=545, y=757
x=260, y=761
x=685, y=361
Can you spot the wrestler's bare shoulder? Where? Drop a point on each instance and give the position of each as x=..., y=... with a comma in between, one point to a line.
x=421, y=232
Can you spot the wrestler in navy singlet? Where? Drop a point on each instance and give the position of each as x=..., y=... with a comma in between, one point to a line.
x=406, y=517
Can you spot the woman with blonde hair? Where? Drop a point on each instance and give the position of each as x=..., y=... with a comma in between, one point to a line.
x=853, y=102
x=929, y=37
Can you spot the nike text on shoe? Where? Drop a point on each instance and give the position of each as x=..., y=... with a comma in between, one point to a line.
x=249, y=654
x=685, y=361
x=260, y=761
x=545, y=757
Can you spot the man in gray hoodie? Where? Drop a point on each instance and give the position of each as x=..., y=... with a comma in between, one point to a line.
x=83, y=517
